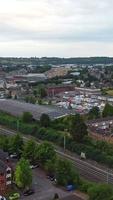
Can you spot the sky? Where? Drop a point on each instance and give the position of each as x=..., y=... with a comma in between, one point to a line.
x=62, y=28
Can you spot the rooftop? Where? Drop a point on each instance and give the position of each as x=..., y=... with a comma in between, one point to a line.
x=17, y=108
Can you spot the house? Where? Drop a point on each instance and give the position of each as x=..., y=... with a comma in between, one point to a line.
x=5, y=173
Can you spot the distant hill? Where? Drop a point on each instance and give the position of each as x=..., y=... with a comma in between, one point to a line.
x=55, y=60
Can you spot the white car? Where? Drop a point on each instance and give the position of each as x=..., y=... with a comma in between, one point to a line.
x=2, y=198
x=34, y=166
x=13, y=155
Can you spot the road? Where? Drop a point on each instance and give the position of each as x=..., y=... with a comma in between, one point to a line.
x=85, y=169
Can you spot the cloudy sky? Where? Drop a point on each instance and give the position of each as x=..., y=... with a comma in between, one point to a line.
x=56, y=28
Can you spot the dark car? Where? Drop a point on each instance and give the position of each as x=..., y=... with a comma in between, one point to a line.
x=51, y=177
x=28, y=192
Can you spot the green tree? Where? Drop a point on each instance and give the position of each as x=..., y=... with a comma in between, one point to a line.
x=108, y=110
x=23, y=174
x=16, y=144
x=4, y=143
x=94, y=113
x=35, y=93
x=46, y=152
x=100, y=191
x=42, y=92
x=78, y=128
x=30, y=99
x=65, y=174
x=50, y=166
x=27, y=117
x=44, y=120
x=40, y=101
x=30, y=151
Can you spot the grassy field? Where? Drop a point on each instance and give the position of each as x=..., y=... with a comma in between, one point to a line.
x=110, y=92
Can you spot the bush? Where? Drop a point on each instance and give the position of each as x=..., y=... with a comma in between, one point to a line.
x=100, y=191
x=84, y=185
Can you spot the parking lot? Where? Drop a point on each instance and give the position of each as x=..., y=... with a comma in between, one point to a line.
x=44, y=188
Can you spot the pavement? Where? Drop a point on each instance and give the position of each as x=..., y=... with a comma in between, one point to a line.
x=44, y=188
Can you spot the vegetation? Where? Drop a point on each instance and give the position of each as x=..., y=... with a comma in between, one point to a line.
x=100, y=191
x=42, y=92
x=94, y=113
x=46, y=61
x=78, y=128
x=97, y=150
x=65, y=173
x=16, y=144
x=30, y=99
x=44, y=120
x=108, y=110
x=46, y=152
x=30, y=151
x=109, y=91
x=23, y=174
x=27, y=117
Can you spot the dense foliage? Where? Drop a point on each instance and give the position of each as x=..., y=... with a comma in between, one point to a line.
x=23, y=174
x=100, y=191
x=108, y=110
x=99, y=151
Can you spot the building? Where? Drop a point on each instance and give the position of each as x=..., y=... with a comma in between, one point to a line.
x=30, y=77
x=54, y=90
x=102, y=126
x=58, y=71
x=16, y=108
x=5, y=176
x=88, y=91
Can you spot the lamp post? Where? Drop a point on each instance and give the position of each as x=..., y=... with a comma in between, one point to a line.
x=18, y=125
x=65, y=139
x=64, y=142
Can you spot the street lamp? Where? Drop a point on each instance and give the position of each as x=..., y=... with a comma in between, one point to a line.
x=65, y=139
x=18, y=125
x=64, y=142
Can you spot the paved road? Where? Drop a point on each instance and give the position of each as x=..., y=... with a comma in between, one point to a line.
x=85, y=169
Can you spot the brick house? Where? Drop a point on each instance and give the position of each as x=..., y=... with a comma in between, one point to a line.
x=5, y=176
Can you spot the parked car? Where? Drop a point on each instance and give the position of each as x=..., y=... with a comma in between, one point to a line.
x=28, y=192
x=34, y=166
x=51, y=177
x=70, y=187
x=14, y=196
x=2, y=198
x=14, y=155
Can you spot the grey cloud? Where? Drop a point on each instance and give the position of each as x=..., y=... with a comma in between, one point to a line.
x=64, y=21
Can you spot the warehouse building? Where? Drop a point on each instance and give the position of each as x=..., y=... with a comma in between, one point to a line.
x=17, y=108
